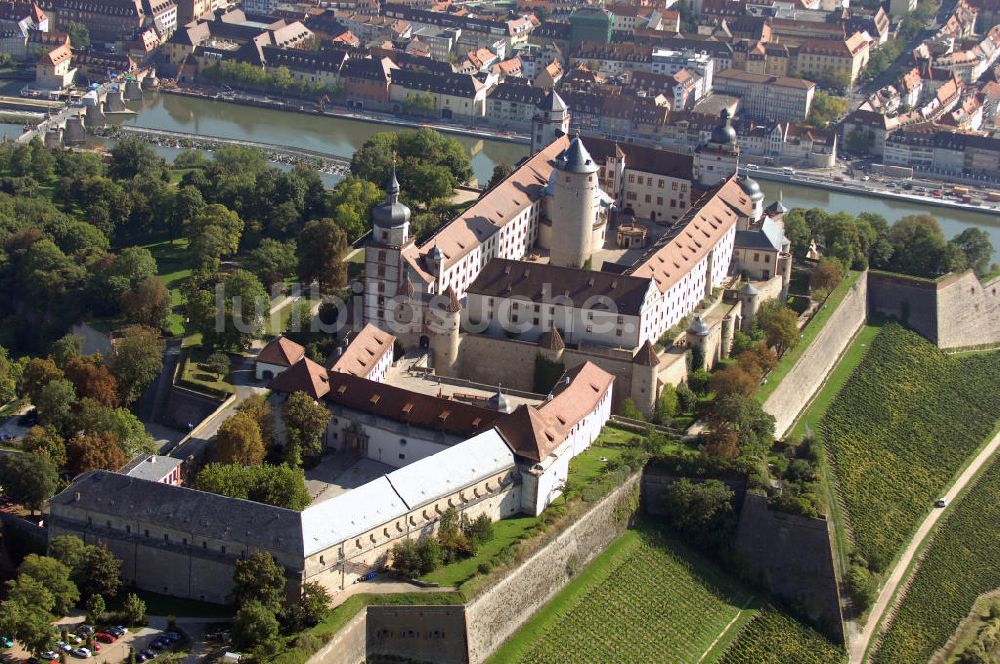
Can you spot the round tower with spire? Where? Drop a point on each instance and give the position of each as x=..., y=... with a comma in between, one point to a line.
x=719, y=157
x=391, y=219
x=645, y=378
x=549, y=122
x=573, y=206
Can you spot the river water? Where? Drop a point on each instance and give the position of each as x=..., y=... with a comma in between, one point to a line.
x=336, y=136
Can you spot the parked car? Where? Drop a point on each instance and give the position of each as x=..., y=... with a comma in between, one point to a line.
x=49, y=654
x=85, y=629
x=150, y=654
x=74, y=639
x=104, y=637
x=82, y=653
x=6, y=641
x=941, y=502
x=65, y=647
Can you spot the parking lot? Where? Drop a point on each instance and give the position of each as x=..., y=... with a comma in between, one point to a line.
x=112, y=653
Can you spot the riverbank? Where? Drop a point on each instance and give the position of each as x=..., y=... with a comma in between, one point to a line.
x=309, y=108
x=803, y=178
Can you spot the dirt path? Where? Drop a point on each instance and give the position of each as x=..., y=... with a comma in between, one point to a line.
x=901, y=571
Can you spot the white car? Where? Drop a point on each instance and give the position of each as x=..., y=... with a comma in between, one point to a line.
x=941, y=502
x=82, y=653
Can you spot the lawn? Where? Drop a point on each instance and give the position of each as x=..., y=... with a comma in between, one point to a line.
x=811, y=330
x=196, y=376
x=645, y=599
x=961, y=564
x=173, y=267
x=903, y=425
x=505, y=533
x=164, y=605
x=773, y=637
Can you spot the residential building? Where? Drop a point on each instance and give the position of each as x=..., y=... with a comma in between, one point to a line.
x=590, y=25
x=155, y=468
x=107, y=21
x=768, y=97
x=455, y=95
x=832, y=60
x=54, y=69
x=275, y=357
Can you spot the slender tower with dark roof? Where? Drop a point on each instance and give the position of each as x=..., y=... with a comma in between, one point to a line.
x=572, y=209
x=550, y=121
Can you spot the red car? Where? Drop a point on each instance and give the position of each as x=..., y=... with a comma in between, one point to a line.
x=105, y=638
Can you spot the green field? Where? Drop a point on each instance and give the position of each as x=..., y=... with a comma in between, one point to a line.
x=642, y=600
x=173, y=266
x=961, y=564
x=773, y=637
x=904, y=423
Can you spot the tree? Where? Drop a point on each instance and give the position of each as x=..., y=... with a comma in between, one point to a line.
x=148, y=303
x=95, y=451
x=55, y=576
x=46, y=443
x=239, y=441
x=919, y=247
x=79, y=35
x=28, y=479
x=25, y=621
x=666, y=405
x=480, y=530
x=321, y=248
x=130, y=433
x=98, y=572
x=747, y=418
x=131, y=157
x=254, y=624
x=780, y=326
x=631, y=411
x=234, y=314
x=68, y=550
x=305, y=422
x=314, y=603
x=259, y=578
x=38, y=373
x=257, y=407
x=280, y=486
x=827, y=275
x=54, y=404
x=350, y=203
x=134, y=609
x=95, y=609
x=186, y=205
x=138, y=359
x=214, y=234
x=722, y=440
x=975, y=246
x=272, y=261
x=697, y=507
x=758, y=359
x=500, y=173
x=218, y=363
x=419, y=103
x=374, y=160
x=734, y=379
x=92, y=380
x=10, y=373
x=66, y=348
x=826, y=108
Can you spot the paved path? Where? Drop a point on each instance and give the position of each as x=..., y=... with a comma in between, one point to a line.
x=900, y=571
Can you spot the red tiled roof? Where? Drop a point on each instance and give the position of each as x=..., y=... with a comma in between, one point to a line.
x=303, y=376
x=364, y=352
x=281, y=352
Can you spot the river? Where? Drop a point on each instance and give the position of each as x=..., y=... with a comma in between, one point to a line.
x=336, y=136
x=952, y=221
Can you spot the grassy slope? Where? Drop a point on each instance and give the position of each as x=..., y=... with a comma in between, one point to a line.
x=810, y=332
x=961, y=564
x=643, y=599
x=773, y=637
x=173, y=267
x=902, y=425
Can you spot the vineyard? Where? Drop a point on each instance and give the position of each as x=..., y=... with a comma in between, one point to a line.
x=903, y=424
x=961, y=564
x=647, y=603
x=773, y=637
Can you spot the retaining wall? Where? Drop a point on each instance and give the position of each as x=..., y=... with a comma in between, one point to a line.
x=801, y=383
x=499, y=612
x=417, y=634
x=348, y=646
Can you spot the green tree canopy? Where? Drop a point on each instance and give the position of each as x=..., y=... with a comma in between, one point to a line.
x=55, y=577
x=259, y=578
x=280, y=486
x=239, y=441
x=137, y=361
x=321, y=248
x=305, y=421
x=28, y=479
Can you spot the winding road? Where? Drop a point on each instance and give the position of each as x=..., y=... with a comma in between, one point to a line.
x=901, y=572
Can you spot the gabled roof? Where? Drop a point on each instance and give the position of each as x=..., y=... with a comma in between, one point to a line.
x=282, y=352
x=646, y=356
x=364, y=352
x=349, y=515
x=529, y=433
x=303, y=376
x=576, y=394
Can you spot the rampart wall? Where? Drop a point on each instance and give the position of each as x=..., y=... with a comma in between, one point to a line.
x=498, y=613
x=801, y=383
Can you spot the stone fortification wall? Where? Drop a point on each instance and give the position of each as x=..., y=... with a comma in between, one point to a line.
x=496, y=614
x=968, y=311
x=792, y=555
x=799, y=384
x=913, y=302
x=957, y=311
x=348, y=646
x=417, y=634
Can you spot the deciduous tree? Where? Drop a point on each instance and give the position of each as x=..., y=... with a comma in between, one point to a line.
x=827, y=275
x=697, y=507
x=55, y=576
x=321, y=248
x=121, y=422
x=259, y=578
x=780, y=326
x=148, y=303
x=92, y=379
x=38, y=373
x=254, y=624
x=280, y=486
x=95, y=451
x=734, y=379
x=239, y=441
x=98, y=572
x=54, y=404
x=257, y=407
x=305, y=422
x=137, y=360
x=28, y=479
x=45, y=442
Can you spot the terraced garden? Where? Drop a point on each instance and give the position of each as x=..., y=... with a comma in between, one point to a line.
x=961, y=564
x=773, y=637
x=905, y=422
x=642, y=600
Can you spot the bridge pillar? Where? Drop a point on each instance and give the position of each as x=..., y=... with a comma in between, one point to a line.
x=75, y=133
x=95, y=116
x=113, y=102
x=133, y=90
x=53, y=138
